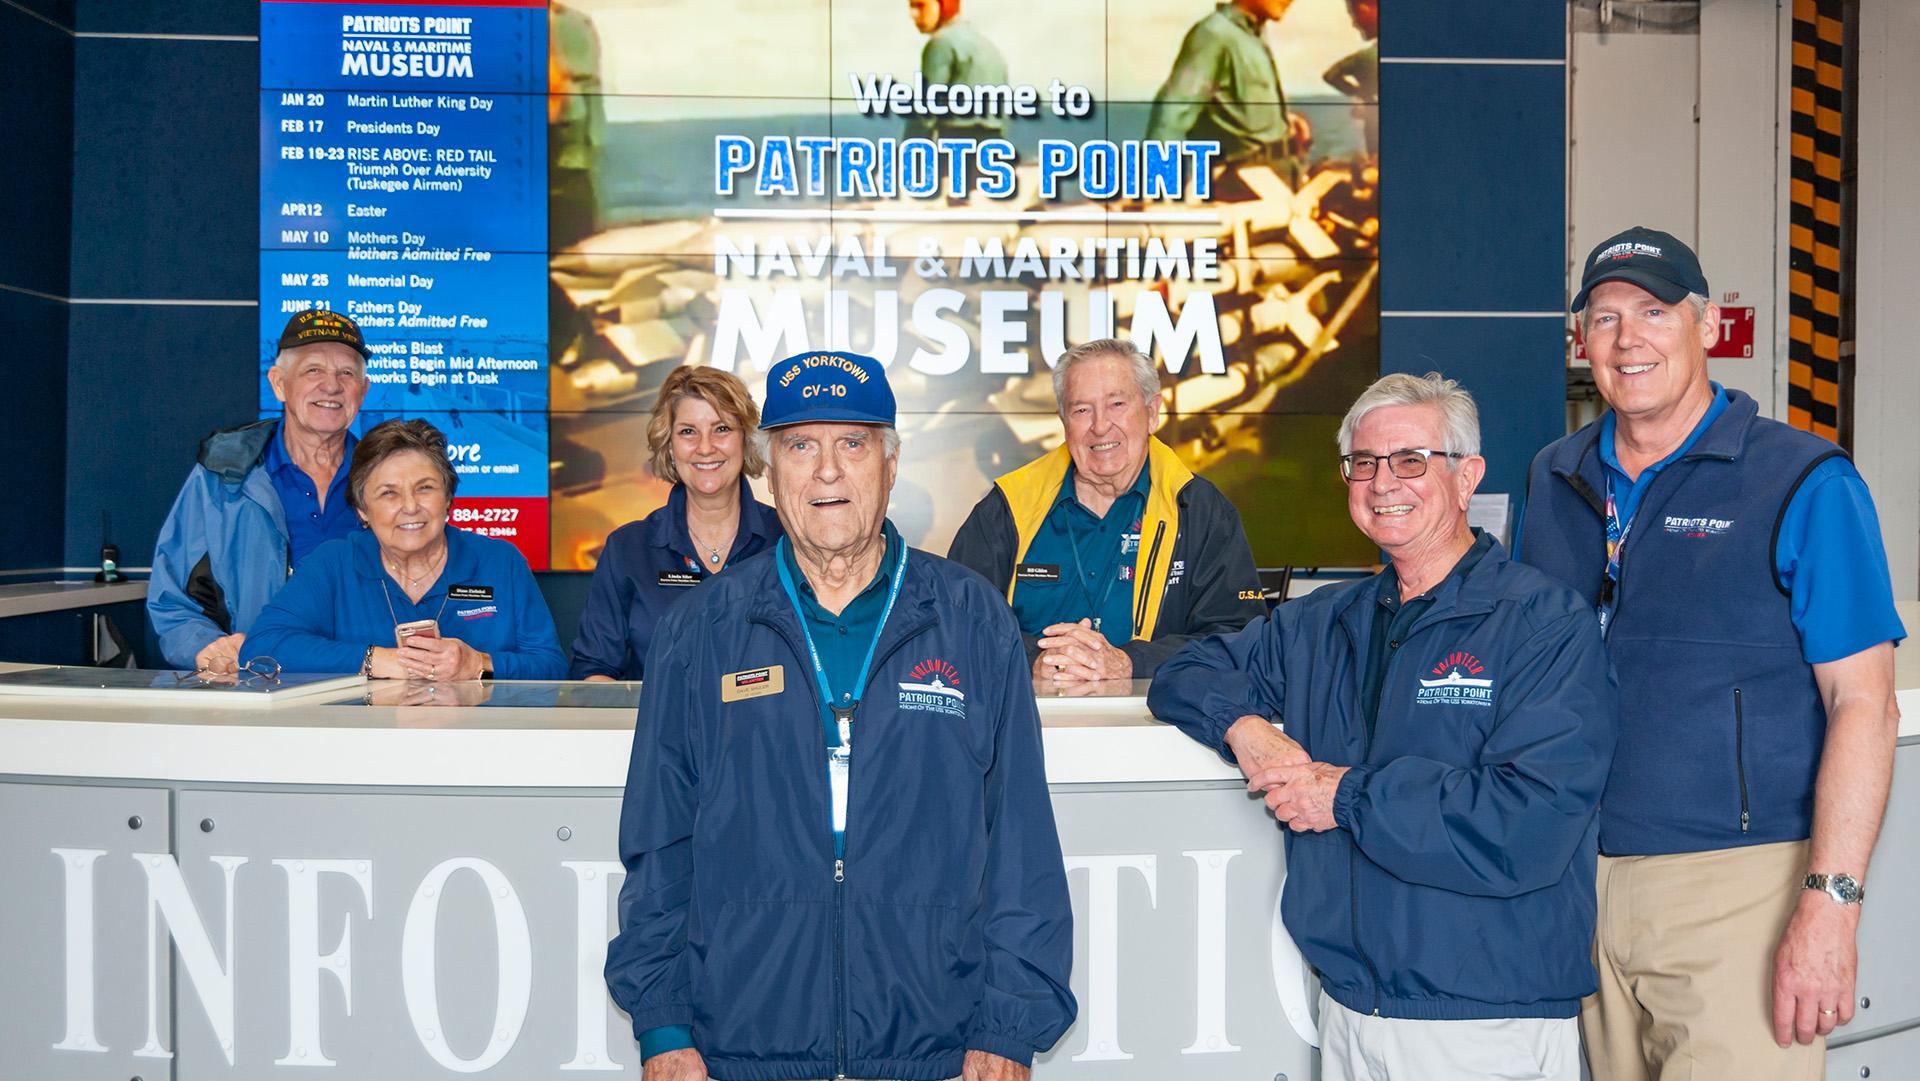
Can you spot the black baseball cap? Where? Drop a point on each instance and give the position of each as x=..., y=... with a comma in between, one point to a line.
x=1655, y=261
x=321, y=325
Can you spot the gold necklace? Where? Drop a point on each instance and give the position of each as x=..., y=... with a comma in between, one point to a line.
x=410, y=582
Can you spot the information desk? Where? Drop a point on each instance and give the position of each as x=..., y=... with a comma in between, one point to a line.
x=399, y=881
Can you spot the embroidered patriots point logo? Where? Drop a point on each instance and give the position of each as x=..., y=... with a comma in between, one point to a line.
x=1459, y=679
x=933, y=686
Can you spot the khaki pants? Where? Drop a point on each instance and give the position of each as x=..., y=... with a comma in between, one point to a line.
x=1684, y=947
x=1356, y=1047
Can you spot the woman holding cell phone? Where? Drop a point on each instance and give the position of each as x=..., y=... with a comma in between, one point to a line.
x=408, y=597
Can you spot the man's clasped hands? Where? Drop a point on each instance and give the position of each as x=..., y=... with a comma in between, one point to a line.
x=1298, y=790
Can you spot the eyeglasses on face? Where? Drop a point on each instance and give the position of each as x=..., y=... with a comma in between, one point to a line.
x=1406, y=464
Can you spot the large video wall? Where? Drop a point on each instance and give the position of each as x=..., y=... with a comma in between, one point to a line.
x=538, y=210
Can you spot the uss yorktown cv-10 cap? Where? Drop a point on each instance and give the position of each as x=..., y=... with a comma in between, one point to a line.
x=1655, y=261
x=827, y=386
x=320, y=325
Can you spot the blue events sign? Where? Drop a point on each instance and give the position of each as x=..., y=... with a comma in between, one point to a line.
x=403, y=182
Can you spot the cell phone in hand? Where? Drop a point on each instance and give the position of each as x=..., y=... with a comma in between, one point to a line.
x=425, y=628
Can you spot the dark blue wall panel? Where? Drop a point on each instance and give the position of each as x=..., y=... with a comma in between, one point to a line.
x=36, y=126
x=145, y=383
x=1515, y=369
x=36, y=193
x=1474, y=183
x=59, y=11
x=33, y=440
x=166, y=167
x=169, y=17
x=1504, y=29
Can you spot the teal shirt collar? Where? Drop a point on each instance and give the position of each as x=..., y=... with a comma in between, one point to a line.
x=874, y=592
x=1142, y=485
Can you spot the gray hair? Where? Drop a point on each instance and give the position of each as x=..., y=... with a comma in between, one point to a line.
x=1145, y=375
x=763, y=441
x=1693, y=300
x=1459, y=416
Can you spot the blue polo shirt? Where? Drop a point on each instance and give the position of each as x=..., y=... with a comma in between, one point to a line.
x=645, y=569
x=1829, y=553
x=842, y=642
x=309, y=523
x=1080, y=564
x=342, y=601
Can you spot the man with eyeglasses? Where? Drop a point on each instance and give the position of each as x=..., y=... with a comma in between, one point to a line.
x=1449, y=722
x=1744, y=597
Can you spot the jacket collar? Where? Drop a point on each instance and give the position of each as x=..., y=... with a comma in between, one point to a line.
x=1579, y=454
x=232, y=453
x=913, y=611
x=1471, y=594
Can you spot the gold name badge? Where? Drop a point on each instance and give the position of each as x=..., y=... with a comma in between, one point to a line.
x=753, y=683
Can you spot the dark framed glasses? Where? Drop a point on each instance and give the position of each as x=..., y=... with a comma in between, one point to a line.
x=1405, y=464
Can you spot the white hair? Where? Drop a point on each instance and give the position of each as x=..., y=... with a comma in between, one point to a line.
x=1145, y=375
x=1460, y=418
x=1693, y=300
x=889, y=441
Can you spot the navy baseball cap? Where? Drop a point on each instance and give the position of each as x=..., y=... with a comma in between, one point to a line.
x=1655, y=261
x=827, y=386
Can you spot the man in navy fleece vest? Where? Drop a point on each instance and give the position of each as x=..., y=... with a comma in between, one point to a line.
x=1738, y=572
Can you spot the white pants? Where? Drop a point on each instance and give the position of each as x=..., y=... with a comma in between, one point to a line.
x=1356, y=1047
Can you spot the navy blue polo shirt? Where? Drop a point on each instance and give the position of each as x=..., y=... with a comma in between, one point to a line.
x=309, y=523
x=645, y=569
x=1080, y=564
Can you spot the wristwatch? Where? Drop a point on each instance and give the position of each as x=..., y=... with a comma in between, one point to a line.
x=1843, y=888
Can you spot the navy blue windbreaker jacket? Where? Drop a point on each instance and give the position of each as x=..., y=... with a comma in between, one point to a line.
x=950, y=929
x=1459, y=883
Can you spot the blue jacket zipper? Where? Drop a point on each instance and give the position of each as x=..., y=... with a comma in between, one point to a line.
x=840, y=861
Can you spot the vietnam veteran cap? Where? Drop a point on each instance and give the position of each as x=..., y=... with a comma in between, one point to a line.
x=320, y=325
x=827, y=386
x=1655, y=261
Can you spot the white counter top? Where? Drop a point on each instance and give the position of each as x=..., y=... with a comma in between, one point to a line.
x=1104, y=739
x=345, y=742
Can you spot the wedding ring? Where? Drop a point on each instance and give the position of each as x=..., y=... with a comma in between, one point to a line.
x=1828, y=1013
x=430, y=672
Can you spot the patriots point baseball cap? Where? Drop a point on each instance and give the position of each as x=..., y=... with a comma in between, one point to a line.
x=320, y=325
x=1655, y=261
x=827, y=386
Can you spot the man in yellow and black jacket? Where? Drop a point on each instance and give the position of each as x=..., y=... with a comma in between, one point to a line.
x=1111, y=551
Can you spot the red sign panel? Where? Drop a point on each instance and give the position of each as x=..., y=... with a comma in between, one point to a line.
x=1736, y=333
x=1736, y=336
x=520, y=521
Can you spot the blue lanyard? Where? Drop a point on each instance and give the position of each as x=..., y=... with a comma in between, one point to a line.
x=837, y=721
x=1617, y=534
x=829, y=712
x=1080, y=573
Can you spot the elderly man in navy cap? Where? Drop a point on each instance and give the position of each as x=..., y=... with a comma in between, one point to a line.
x=841, y=858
